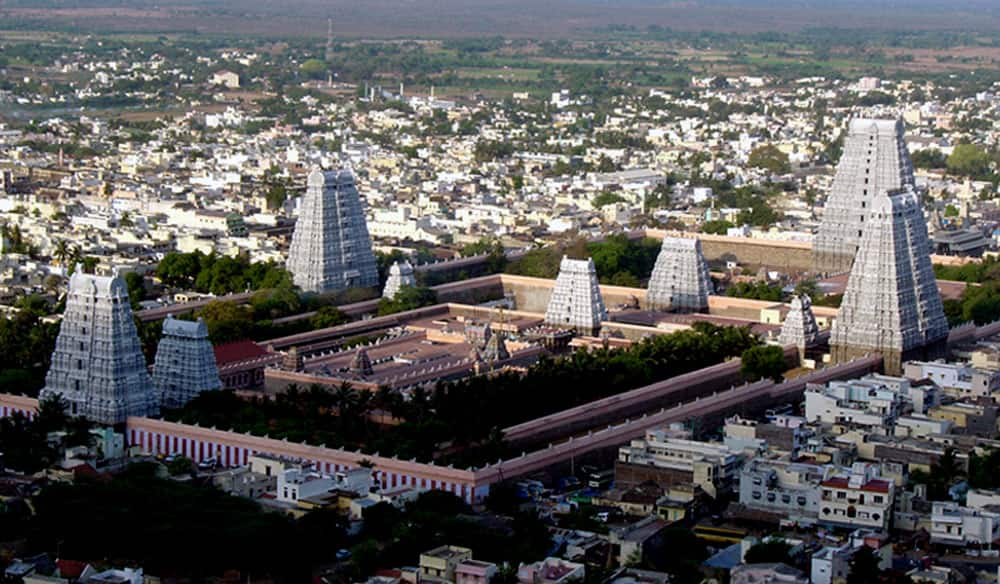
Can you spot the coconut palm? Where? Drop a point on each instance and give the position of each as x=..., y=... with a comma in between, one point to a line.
x=62, y=252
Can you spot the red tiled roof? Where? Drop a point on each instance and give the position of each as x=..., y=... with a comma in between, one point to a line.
x=877, y=485
x=237, y=351
x=70, y=569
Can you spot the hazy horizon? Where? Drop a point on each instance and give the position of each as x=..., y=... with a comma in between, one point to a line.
x=516, y=18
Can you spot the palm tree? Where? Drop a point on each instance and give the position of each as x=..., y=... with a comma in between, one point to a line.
x=345, y=398
x=63, y=252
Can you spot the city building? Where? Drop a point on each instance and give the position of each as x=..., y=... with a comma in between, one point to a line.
x=875, y=160
x=475, y=572
x=668, y=457
x=400, y=274
x=957, y=379
x=857, y=402
x=440, y=563
x=955, y=525
x=185, y=363
x=551, y=571
x=576, y=300
x=680, y=279
x=782, y=434
x=771, y=572
x=786, y=489
x=891, y=305
x=331, y=249
x=98, y=366
x=859, y=498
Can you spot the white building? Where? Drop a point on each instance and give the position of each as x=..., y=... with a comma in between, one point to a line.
x=859, y=401
x=958, y=379
x=786, y=488
x=859, y=498
x=955, y=525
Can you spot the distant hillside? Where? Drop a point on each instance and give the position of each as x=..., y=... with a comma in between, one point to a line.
x=524, y=18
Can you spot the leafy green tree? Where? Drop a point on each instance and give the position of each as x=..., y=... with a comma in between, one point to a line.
x=929, y=158
x=328, y=316
x=763, y=362
x=769, y=158
x=807, y=288
x=408, y=298
x=755, y=290
x=227, y=321
x=180, y=466
x=606, y=198
x=136, y=288
x=969, y=160
x=313, y=68
x=716, y=227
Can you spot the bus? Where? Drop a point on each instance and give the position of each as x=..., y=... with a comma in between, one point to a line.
x=719, y=533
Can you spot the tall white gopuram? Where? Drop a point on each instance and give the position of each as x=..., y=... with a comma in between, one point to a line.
x=98, y=366
x=185, y=363
x=680, y=279
x=576, y=300
x=331, y=249
x=400, y=274
x=891, y=304
x=875, y=161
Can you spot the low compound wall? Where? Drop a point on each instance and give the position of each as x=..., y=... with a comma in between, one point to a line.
x=232, y=448
x=613, y=409
x=717, y=406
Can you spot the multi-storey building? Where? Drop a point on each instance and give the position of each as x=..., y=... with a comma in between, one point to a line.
x=958, y=379
x=859, y=498
x=666, y=458
x=857, y=402
x=785, y=488
x=955, y=525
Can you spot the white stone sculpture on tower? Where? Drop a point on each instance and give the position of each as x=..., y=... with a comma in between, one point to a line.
x=576, y=300
x=331, y=249
x=875, y=160
x=98, y=367
x=800, y=328
x=400, y=274
x=680, y=279
x=185, y=363
x=891, y=304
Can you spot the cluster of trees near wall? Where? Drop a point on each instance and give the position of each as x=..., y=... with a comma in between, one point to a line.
x=468, y=414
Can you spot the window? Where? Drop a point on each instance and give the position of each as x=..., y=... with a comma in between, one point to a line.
x=800, y=500
x=771, y=497
x=841, y=495
x=878, y=498
x=786, y=499
x=756, y=494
